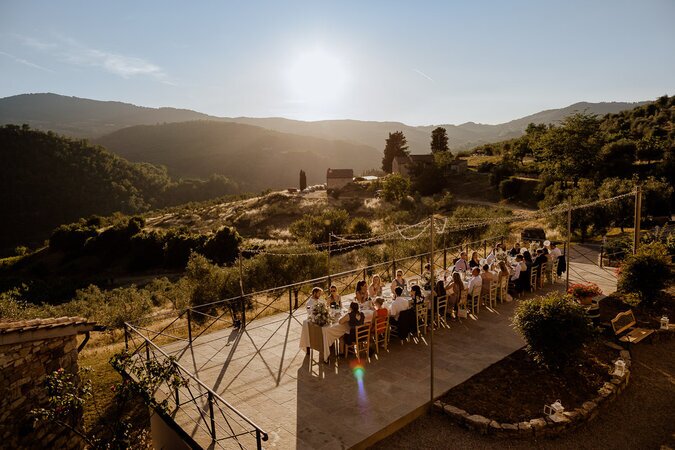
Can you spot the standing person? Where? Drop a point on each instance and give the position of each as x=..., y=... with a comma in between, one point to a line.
x=375, y=288
x=475, y=261
x=461, y=265
x=426, y=277
x=454, y=289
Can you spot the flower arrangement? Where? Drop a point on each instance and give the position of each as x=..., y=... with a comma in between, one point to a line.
x=534, y=246
x=319, y=315
x=502, y=256
x=584, y=290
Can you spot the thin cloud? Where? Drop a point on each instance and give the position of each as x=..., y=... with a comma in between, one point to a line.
x=73, y=52
x=424, y=75
x=25, y=62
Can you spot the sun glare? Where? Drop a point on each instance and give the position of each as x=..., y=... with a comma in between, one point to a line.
x=317, y=76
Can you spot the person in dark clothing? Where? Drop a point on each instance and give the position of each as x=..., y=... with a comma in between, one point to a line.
x=515, y=250
x=354, y=318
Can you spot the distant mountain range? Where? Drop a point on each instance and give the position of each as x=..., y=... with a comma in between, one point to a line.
x=79, y=117
x=254, y=157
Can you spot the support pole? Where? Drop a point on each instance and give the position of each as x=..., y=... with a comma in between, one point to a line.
x=638, y=218
x=241, y=288
x=329, y=242
x=433, y=315
x=569, y=242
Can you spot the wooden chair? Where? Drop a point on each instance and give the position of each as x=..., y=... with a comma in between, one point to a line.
x=381, y=332
x=362, y=342
x=625, y=323
x=474, y=302
x=542, y=274
x=533, y=279
x=462, y=303
x=492, y=294
x=422, y=317
x=502, y=289
x=554, y=272
x=441, y=311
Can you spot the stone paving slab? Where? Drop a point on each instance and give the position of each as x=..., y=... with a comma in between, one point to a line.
x=305, y=404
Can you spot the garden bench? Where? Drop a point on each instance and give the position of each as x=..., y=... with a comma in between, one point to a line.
x=625, y=321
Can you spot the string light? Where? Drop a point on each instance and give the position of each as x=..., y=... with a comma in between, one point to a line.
x=482, y=222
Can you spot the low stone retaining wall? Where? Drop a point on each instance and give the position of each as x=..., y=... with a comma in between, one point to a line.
x=542, y=426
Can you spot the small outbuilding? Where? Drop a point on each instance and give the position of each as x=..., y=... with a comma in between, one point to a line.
x=338, y=178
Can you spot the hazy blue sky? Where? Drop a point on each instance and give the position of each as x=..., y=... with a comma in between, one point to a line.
x=415, y=62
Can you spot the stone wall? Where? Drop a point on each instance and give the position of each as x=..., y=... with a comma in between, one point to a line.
x=23, y=369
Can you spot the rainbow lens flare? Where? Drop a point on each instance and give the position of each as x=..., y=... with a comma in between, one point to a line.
x=359, y=371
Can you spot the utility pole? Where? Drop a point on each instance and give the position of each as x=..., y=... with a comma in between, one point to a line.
x=638, y=218
x=433, y=315
x=569, y=242
x=329, y=242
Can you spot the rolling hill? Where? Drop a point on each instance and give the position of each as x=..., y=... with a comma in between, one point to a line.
x=80, y=117
x=254, y=157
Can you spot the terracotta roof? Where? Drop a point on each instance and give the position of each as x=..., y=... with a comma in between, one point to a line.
x=340, y=173
x=43, y=324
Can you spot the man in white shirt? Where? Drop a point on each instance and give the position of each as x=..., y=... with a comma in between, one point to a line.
x=461, y=264
x=517, y=268
x=399, y=304
x=314, y=298
x=475, y=283
x=555, y=252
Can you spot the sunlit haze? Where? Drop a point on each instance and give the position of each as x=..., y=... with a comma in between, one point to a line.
x=415, y=62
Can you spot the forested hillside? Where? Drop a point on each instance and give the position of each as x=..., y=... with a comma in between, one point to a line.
x=47, y=180
x=82, y=117
x=254, y=157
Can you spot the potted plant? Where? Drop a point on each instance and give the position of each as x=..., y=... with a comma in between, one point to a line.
x=584, y=292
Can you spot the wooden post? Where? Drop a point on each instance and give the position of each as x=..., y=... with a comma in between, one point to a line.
x=329, y=242
x=569, y=242
x=433, y=315
x=638, y=219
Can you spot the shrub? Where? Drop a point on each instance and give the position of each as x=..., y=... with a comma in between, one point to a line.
x=316, y=227
x=71, y=238
x=554, y=327
x=485, y=167
x=396, y=187
x=508, y=188
x=223, y=247
x=360, y=228
x=646, y=273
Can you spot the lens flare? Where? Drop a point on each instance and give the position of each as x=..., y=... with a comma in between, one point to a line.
x=359, y=371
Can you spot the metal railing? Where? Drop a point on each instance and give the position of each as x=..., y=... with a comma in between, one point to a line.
x=195, y=321
x=195, y=402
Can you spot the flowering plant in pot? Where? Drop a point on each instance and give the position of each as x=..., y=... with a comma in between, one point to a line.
x=584, y=292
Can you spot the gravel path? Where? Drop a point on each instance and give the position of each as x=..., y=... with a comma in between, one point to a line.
x=642, y=417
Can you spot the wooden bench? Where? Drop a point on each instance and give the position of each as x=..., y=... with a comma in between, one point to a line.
x=625, y=321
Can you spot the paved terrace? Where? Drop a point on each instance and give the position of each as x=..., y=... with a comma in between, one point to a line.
x=305, y=404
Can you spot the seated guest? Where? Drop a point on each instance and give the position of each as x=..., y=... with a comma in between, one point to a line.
x=475, y=260
x=541, y=258
x=527, y=257
x=492, y=256
x=416, y=294
x=439, y=292
x=487, y=278
x=315, y=297
x=517, y=268
x=381, y=314
x=333, y=299
x=354, y=318
x=399, y=304
x=426, y=277
x=515, y=250
x=475, y=283
x=399, y=281
x=504, y=271
x=454, y=289
x=375, y=288
x=461, y=265
x=361, y=294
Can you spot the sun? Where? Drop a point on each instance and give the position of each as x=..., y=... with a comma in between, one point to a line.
x=317, y=76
